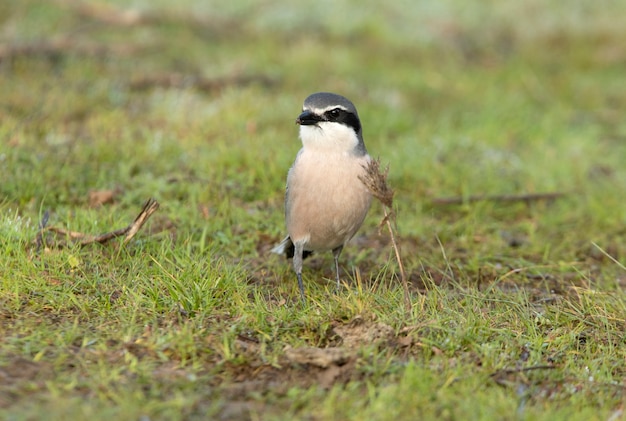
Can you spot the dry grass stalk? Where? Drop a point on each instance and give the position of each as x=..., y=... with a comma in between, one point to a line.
x=376, y=182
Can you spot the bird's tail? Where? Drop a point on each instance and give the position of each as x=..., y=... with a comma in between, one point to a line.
x=287, y=248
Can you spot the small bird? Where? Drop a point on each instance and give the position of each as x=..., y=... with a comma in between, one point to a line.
x=325, y=202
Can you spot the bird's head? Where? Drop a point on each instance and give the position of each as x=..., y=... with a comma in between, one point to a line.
x=330, y=122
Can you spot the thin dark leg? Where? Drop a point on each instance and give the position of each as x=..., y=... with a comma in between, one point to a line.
x=297, y=267
x=336, y=253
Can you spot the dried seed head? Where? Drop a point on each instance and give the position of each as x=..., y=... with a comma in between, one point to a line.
x=376, y=182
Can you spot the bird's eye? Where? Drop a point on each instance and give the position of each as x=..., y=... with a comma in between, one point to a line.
x=334, y=113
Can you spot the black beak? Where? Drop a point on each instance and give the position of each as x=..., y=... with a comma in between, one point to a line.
x=307, y=118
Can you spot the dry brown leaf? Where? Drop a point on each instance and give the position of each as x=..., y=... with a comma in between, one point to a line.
x=98, y=198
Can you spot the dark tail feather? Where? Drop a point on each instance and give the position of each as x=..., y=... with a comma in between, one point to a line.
x=287, y=248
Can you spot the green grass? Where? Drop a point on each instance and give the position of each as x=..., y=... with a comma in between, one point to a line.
x=517, y=308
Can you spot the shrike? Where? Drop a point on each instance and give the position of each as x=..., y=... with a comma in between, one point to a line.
x=325, y=202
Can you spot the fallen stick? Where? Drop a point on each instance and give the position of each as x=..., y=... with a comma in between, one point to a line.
x=503, y=377
x=528, y=197
x=104, y=13
x=522, y=369
x=129, y=232
x=62, y=47
x=178, y=81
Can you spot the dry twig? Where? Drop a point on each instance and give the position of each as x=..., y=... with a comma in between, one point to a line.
x=104, y=13
x=62, y=46
x=506, y=376
x=128, y=232
x=177, y=80
x=376, y=182
x=527, y=198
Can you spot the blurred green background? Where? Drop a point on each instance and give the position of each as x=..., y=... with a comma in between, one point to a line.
x=193, y=103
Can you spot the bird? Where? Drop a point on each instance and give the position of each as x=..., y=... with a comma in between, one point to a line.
x=325, y=201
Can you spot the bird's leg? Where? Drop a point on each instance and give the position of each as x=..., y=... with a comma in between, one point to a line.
x=336, y=253
x=297, y=266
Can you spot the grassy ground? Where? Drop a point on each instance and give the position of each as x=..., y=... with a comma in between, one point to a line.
x=518, y=309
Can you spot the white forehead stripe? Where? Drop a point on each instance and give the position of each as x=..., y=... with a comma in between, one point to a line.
x=321, y=111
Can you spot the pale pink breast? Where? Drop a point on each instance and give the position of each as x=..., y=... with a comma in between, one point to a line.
x=327, y=202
